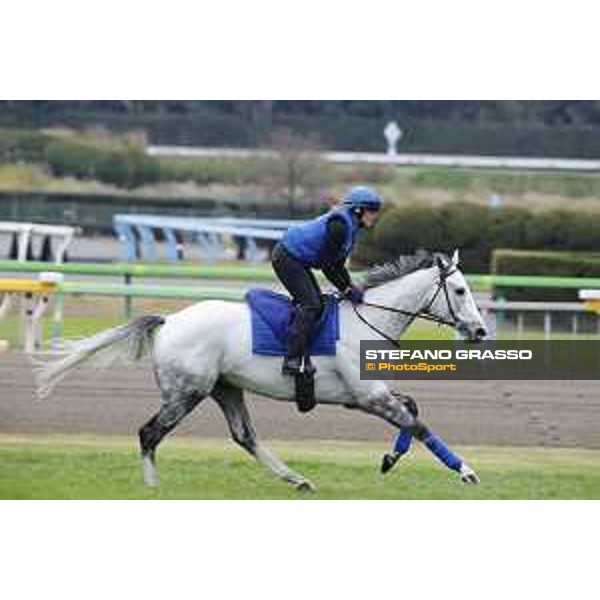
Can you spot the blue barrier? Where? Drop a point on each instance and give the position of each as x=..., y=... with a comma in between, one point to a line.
x=137, y=234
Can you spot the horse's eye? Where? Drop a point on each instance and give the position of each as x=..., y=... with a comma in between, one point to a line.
x=460, y=291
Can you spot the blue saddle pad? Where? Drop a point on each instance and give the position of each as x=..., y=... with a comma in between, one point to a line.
x=271, y=315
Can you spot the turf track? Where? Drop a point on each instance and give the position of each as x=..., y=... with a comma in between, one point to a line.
x=76, y=467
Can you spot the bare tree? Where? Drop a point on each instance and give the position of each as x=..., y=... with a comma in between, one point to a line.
x=297, y=168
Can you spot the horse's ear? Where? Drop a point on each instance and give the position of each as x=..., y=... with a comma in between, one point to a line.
x=455, y=258
x=439, y=261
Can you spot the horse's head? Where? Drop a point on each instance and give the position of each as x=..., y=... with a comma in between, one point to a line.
x=452, y=300
x=439, y=291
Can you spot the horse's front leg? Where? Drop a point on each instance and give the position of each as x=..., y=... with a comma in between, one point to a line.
x=375, y=398
x=385, y=404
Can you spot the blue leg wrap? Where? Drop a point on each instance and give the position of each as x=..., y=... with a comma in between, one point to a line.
x=442, y=452
x=403, y=441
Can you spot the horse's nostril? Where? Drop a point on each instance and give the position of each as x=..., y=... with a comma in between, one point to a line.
x=480, y=332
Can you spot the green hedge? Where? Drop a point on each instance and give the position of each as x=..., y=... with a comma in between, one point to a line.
x=118, y=163
x=23, y=146
x=477, y=230
x=126, y=167
x=210, y=170
x=558, y=264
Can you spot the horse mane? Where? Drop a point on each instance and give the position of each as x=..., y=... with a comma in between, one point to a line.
x=399, y=267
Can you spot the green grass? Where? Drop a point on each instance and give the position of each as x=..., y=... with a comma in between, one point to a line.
x=431, y=331
x=503, y=181
x=74, y=327
x=108, y=468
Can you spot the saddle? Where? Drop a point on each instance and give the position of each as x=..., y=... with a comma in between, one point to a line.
x=271, y=315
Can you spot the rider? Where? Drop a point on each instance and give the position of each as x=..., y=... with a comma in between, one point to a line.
x=323, y=243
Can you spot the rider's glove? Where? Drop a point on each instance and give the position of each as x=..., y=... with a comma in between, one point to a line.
x=354, y=294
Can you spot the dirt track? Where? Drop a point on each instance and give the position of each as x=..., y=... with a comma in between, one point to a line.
x=541, y=413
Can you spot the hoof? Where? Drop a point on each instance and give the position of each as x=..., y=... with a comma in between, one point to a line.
x=149, y=472
x=468, y=476
x=388, y=461
x=305, y=487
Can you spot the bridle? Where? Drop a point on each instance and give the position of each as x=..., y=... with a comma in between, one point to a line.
x=424, y=313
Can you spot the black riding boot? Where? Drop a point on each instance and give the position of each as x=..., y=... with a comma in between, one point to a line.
x=298, y=360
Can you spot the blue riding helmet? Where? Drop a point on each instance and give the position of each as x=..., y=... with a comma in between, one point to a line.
x=363, y=197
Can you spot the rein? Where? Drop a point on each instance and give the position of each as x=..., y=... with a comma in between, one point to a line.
x=422, y=314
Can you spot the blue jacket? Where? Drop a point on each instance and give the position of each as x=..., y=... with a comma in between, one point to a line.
x=304, y=242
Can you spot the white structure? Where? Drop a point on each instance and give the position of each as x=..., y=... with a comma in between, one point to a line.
x=591, y=300
x=26, y=231
x=34, y=296
x=495, y=201
x=393, y=134
x=404, y=159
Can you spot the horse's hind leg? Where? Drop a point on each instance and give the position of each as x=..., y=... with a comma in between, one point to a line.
x=174, y=408
x=231, y=401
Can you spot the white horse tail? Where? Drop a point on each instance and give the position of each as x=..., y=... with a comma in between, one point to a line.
x=126, y=343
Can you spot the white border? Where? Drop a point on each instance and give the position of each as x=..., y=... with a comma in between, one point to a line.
x=362, y=550
x=274, y=550
x=315, y=49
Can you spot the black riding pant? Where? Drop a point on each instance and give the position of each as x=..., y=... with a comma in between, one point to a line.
x=304, y=289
